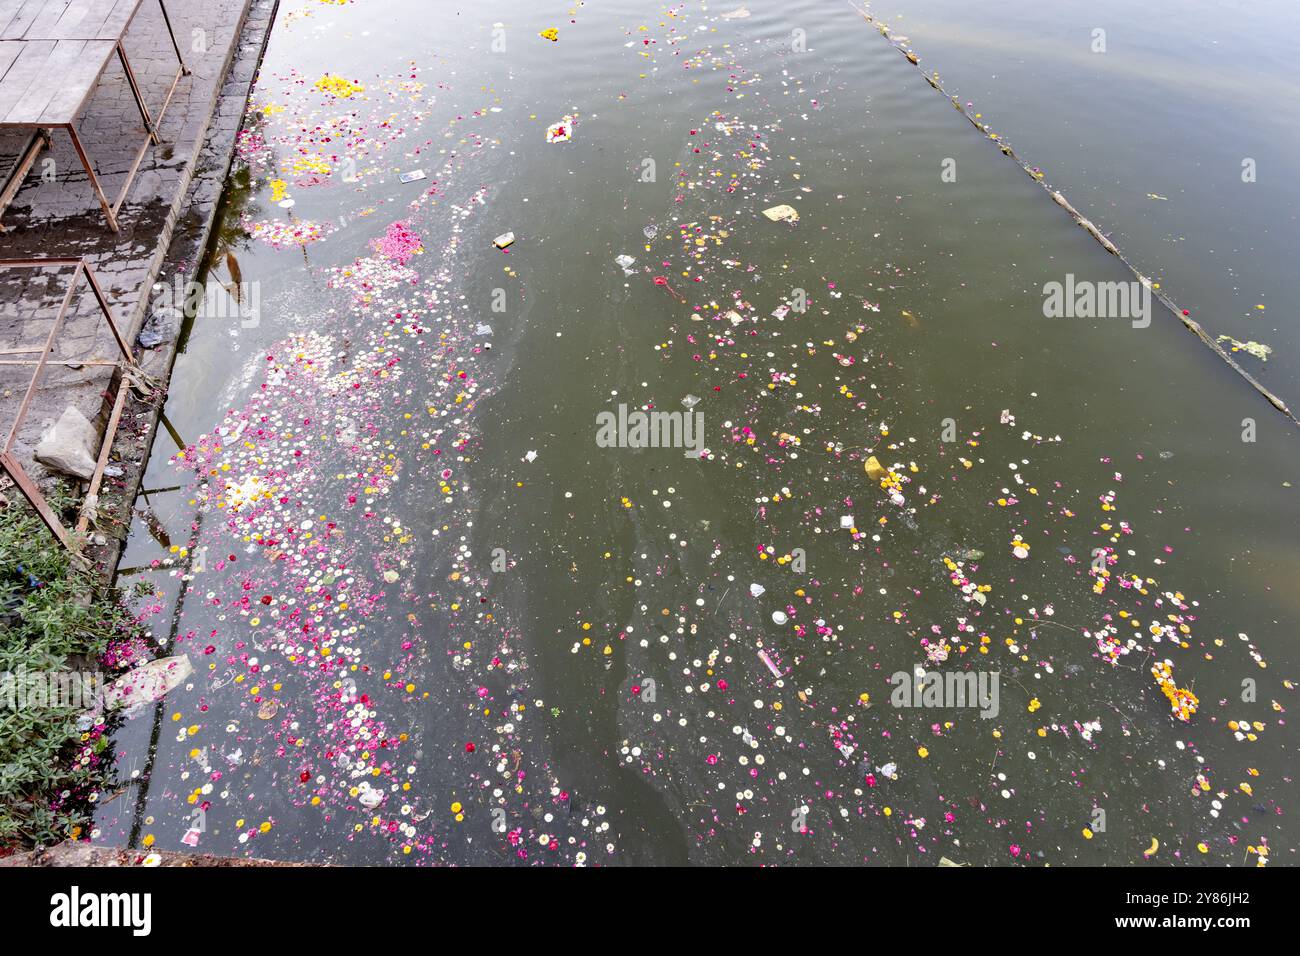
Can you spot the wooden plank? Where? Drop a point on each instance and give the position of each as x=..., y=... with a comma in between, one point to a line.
x=7, y=10
x=85, y=26
x=9, y=50
x=115, y=23
x=48, y=83
x=27, y=13
x=82, y=20
x=77, y=82
x=46, y=19
x=68, y=19
x=25, y=70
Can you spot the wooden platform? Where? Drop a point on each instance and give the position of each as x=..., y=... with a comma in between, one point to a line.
x=52, y=54
x=65, y=19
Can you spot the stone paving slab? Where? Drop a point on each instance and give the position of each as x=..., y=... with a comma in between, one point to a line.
x=55, y=213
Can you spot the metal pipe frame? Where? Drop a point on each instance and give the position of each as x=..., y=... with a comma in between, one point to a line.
x=39, y=140
x=9, y=463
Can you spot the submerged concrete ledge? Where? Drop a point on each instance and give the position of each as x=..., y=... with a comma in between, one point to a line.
x=72, y=853
x=1083, y=222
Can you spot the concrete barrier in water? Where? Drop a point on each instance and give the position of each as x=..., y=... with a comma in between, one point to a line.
x=1086, y=224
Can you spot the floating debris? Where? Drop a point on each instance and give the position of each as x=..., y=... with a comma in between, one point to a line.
x=1257, y=349
x=782, y=213
x=560, y=132
x=147, y=684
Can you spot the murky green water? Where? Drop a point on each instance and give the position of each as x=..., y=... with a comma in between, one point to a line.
x=1175, y=129
x=434, y=620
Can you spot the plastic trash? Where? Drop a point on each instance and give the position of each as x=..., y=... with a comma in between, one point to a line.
x=776, y=671
x=147, y=683
x=70, y=444
x=160, y=327
x=782, y=213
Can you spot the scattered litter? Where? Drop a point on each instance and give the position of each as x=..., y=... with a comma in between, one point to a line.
x=560, y=132
x=69, y=445
x=1257, y=349
x=782, y=213
x=161, y=326
x=146, y=684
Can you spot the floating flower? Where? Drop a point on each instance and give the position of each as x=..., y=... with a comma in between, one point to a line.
x=399, y=243
x=332, y=84
x=1182, y=702
x=560, y=132
x=282, y=235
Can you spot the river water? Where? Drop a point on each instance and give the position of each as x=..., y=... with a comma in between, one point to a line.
x=435, y=618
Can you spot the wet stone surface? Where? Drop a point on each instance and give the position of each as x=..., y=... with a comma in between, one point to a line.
x=55, y=213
